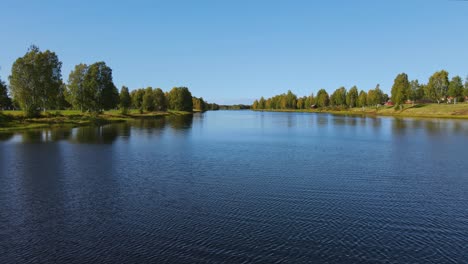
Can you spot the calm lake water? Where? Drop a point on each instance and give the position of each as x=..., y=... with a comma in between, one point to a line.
x=237, y=187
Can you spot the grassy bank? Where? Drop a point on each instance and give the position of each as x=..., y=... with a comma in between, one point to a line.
x=15, y=120
x=459, y=111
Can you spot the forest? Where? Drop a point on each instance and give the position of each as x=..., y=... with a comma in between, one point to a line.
x=438, y=89
x=36, y=86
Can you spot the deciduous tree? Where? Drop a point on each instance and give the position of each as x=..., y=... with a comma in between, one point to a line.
x=437, y=87
x=125, y=100
x=76, y=95
x=455, y=89
x=362, y=100
x=352, y=97
x=322, y=99
x=180, y=99
x=36, y=80
x=400, y=89
x=5, y=101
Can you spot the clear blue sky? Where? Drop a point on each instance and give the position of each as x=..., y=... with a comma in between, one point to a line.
x=235, y=51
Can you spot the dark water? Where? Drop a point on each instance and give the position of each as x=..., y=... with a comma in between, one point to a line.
x=237, y=187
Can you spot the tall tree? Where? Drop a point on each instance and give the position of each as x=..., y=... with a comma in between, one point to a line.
x=362, y=99
x=400, y=89
x=338, y=97
x=416, y=93
x=180, y=99
x=291, y=100
x=352, y=97
x=5, y=101
x=322, y=99
x=455, y=89
x=100, y=91
x=148, y=100
x=375, y=96
x=261, y=103
x=125, y=100
x=437, y=87
x=76, y=95
x=36, y=80
x=160, y=101
x=199, y=104
x=255, y=105
x=465, y=93
x=137, y=98
x=300, y=103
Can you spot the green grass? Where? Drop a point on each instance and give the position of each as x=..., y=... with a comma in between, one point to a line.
x=459, y=111
x=15, y=120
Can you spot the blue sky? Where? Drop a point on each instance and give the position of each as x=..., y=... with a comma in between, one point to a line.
x=236, y=51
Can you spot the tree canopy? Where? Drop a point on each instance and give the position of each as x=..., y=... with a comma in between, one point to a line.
x=401, y=89
x=437, y=87
x=125, y=99
x=322, y=99
x=455, y=88
x=352, y=97
x=5, y=100
x=36, y=80
x=180, y=99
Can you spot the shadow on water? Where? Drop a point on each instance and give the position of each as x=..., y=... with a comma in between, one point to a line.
x=6, y=136
x=401, y=126
x=183, y=122
x=98, y=135
x=106, y=134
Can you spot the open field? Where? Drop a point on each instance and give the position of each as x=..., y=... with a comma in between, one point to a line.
x=459, y=111
x=15, y=120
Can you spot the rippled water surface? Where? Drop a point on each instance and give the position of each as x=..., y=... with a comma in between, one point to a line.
x=237, y=187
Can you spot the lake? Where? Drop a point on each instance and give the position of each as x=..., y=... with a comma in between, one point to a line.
x=237, y=187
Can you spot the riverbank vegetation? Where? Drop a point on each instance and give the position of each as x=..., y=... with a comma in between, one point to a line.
x=408, y=98
x=36, y=87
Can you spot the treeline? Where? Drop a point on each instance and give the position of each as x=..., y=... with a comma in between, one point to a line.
x=438, y=89
x=36, y=85
x=234, y=107
x=149, y=99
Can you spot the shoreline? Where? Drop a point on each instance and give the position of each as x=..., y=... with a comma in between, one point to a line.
x=459, y=111
x=11, y=121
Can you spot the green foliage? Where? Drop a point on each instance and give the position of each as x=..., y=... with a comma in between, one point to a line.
x=255, y=105
x=148, y=100
x=199, y=104
x=36, y=80
x=338, y=97
x=437, y=87
x=282, y=101
x=180, y=99
x=91, y=88
x=5, y=101
x=401, y=89
x=322, y=98
x=375, y=96
x=455, y=88
x=76, y=95
x=261, y=103
x=416, y=90
x=362, y=99
x=137, y=98
x=300, y=103
x=465, y=92
x=160, y=100
x=291, y=100
x=125, y=100
x=352, y=97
